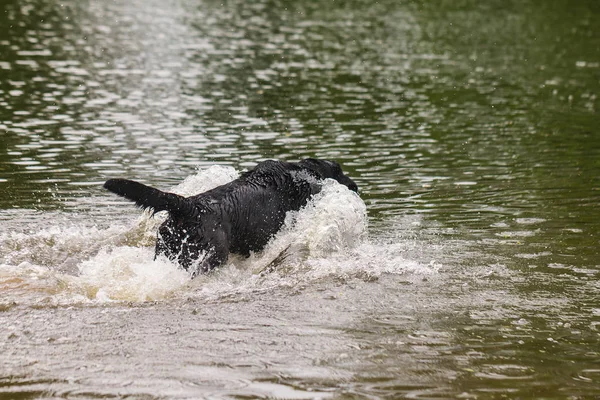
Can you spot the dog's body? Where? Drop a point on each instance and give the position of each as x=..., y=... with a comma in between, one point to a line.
x=238, y=217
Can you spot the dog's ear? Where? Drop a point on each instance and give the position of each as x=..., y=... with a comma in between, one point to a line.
x=147, y=197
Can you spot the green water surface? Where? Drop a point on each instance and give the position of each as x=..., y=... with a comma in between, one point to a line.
x=476, y=121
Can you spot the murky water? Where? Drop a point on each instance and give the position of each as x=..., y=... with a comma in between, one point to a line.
x=468, y=268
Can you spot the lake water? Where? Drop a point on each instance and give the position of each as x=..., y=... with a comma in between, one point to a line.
x=468, y=268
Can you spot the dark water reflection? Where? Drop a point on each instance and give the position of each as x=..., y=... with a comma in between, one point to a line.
x=468, y=125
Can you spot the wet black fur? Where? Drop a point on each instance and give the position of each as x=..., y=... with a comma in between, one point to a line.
x=238, y=217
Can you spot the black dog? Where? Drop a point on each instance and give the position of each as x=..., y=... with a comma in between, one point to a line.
x=238, y=217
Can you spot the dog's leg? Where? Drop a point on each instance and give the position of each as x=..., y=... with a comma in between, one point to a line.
x=215, y=258
x=217, y=254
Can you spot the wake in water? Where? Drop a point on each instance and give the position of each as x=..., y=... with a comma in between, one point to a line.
x=70, y=264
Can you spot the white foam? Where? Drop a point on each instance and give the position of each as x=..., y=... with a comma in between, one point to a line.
x=58, y=247
x=206, y=179
x=129, y=273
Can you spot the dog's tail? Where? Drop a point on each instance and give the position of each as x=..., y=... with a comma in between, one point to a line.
x=149, y=198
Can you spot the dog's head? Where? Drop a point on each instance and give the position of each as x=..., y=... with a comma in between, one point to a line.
x=329, y=169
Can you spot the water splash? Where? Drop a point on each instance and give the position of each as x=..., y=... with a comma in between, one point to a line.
x=71, y=264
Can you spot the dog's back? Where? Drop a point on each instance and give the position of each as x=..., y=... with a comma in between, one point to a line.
x=255, y=205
